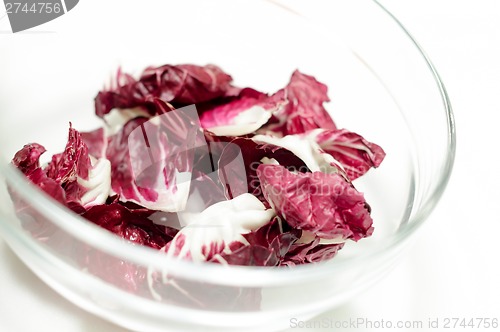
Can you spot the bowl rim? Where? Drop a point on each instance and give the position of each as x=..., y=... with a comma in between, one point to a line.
x=240, y=276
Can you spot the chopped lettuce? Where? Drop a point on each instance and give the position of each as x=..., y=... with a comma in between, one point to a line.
x=209, y=233
x=325, y=204
x=304, y=109
x=189, y=164
x=352, y=151
x=179, y=85
x=73, y=177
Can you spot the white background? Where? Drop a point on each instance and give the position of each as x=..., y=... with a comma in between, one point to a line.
x=453, y=268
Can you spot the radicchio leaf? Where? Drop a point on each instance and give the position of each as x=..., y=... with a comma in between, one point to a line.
x=152, y=159
x=133, y=225
x=267, y=246
x=241, y=115
x=179, y=85
x=352, y=151
x=85, y=180
x=72, y=177
x=308, y=151
x=324, y=204
x=205, y=190
x=211, y=231
x=304, y=110
x=189, y=187
x=74, y=162
x=253, y=153
x=310, y=252
x=27, y=160
x=96, y=142
x=206, y=186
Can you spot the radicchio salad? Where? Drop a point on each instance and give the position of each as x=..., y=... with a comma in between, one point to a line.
x=189, y=164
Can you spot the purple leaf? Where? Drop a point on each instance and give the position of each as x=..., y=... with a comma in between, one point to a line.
x=152, y=160
x=133, y=225
x=310, y=252
x=253, y=154
x=304, y=97
x=72, y=163
x=324, y=204
x=27, y=160
x=86, y=181
x=211, y=231
x=267, y=246
x=96, y=141
x=352, y=151
x=179, y=85
x=241, y=115
x=71, y=177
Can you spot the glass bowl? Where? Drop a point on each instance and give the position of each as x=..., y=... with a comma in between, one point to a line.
x=381, y=83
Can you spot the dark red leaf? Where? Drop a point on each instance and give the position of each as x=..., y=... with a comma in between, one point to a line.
x=324, y=204
x=179, y=85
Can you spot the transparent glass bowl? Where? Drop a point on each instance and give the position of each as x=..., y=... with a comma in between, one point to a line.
x=381, y=84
